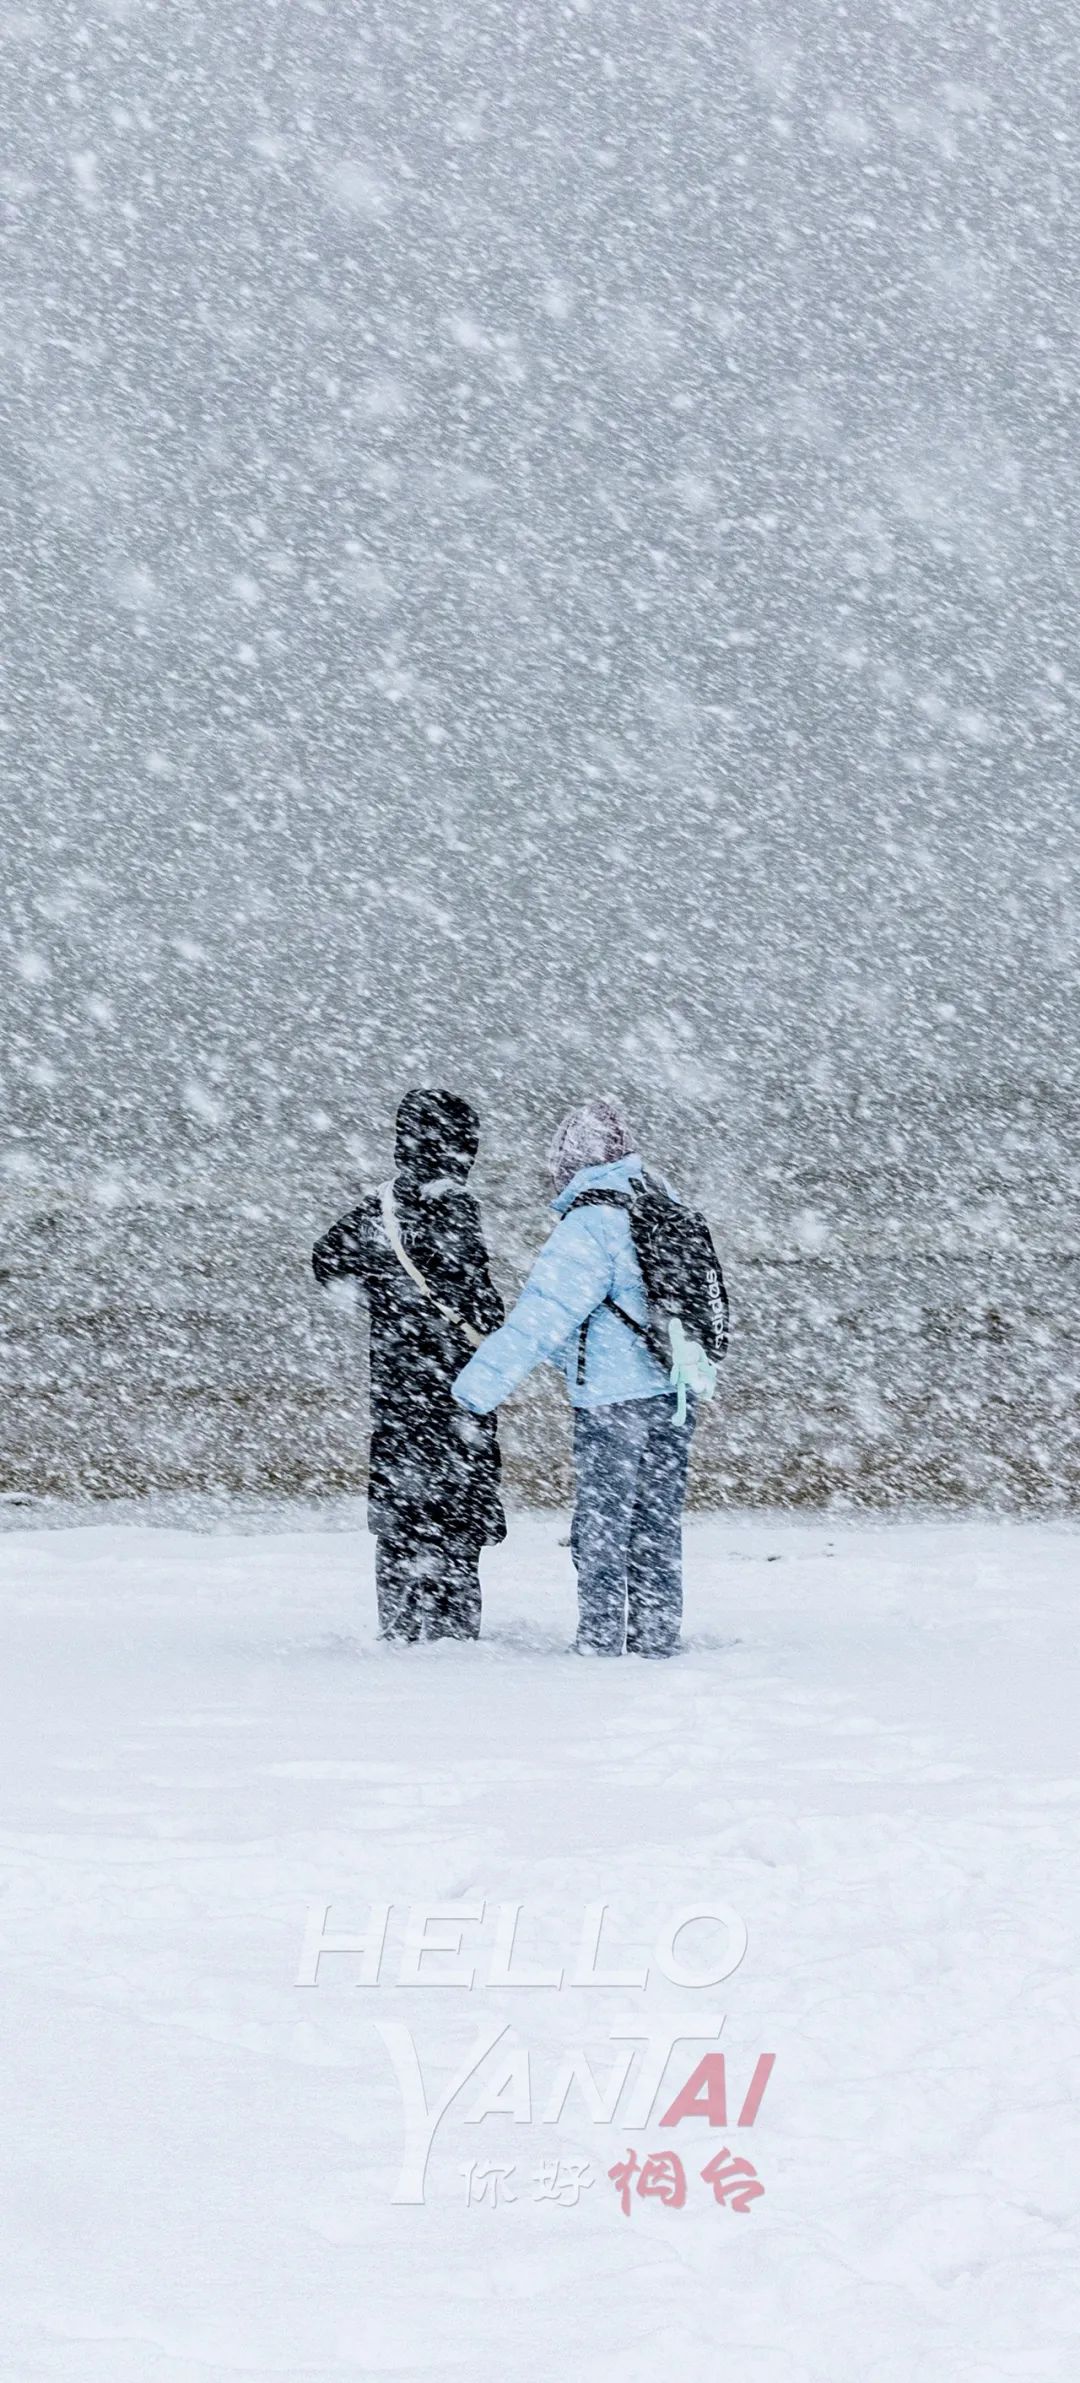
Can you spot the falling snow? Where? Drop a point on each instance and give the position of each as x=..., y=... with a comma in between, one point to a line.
x=540, y=551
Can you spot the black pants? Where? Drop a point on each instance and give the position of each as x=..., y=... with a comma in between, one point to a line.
x=427, y=1591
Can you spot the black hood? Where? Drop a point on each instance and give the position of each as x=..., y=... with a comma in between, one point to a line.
x=437, y=1134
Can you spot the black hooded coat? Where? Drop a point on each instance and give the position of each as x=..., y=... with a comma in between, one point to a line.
x=434, y=1470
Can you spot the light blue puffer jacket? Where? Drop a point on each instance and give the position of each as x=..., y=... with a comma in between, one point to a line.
x=588, y=1258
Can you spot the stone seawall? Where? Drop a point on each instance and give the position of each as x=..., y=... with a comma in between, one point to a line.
x=167, y=1341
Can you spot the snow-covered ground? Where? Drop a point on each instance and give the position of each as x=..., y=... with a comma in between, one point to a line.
x=868, y=1754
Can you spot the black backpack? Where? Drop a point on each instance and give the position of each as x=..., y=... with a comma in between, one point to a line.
x=679, y=1268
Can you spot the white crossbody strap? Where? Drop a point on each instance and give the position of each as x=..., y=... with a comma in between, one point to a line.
x=393, y=1235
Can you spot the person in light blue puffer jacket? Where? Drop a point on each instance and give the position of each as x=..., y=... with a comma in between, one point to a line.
x=630, y=1452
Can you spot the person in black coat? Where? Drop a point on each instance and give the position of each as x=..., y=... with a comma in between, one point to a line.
x=433, y=1479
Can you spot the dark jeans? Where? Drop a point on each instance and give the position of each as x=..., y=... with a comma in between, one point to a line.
x=631, y=1462
x=427, y=1591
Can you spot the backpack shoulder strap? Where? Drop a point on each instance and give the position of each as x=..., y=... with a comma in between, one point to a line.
x=603, y=1199
x=600, y=1199
x=631, y=1323
x=392, y=1231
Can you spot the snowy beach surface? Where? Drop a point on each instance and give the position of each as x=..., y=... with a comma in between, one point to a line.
x=867, y=1752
